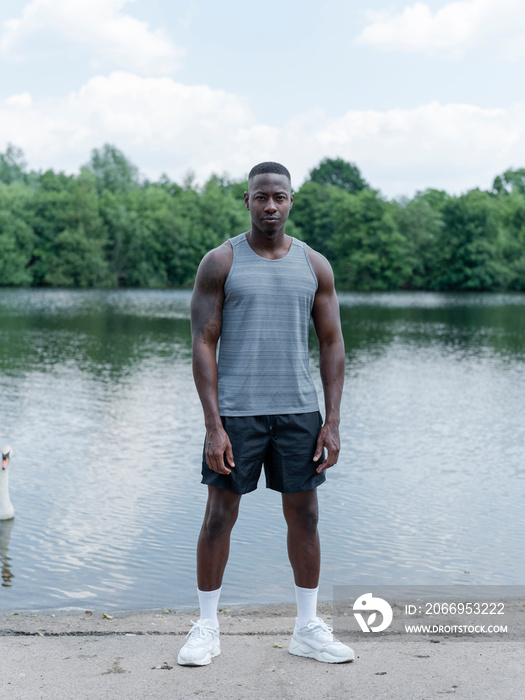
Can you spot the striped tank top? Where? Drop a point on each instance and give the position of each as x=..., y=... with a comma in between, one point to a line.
x=263, y=352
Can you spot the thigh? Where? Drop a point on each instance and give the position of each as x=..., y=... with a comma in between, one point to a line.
x=221, y=503
x=298, y=506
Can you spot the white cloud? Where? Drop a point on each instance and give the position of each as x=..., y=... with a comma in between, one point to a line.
x=161, y=124
x=97, y=26
x=447, y=146
x=454, y=29
x=164, y=126
x=23, y=99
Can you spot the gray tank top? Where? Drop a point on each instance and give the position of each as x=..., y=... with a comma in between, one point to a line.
x=263, y=352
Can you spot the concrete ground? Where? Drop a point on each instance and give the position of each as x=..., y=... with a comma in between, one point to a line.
x=133, y=656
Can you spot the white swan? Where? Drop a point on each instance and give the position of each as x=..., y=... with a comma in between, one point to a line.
x=6, y=509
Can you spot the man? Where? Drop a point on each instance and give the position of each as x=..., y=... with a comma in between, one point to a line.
x=257, y=293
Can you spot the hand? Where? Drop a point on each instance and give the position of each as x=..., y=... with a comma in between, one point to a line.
x=219, y=449
x=329, y=438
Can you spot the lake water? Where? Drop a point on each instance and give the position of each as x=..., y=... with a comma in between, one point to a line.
x=97, y=400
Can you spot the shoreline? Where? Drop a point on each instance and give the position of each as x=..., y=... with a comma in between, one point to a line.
x=258, y=618
x=131, y=655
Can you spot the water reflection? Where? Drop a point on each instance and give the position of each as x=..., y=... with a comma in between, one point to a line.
x=99, y=403
x=5, y=561
x=478, y=324
x=100, y=332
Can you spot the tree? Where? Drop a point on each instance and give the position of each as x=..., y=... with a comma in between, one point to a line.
x=115, y=173
x=16, y=236
x=75, y=260
x=512, y=238
x=70, y=250
x=314, y=213
x=12, y=165
x=420, y=223
x=339, y=173
x=105, y=227
x=510, y=181
x=368, y=251
x=434, y=198
x=469, y=257
x=134, y=249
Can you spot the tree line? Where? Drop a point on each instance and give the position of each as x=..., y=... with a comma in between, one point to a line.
x=108, y=227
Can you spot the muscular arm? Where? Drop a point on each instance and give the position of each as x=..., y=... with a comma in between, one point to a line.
x=325, y=314
x=206, y=323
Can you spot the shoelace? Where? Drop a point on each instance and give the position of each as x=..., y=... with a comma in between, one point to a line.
x=321, y=629
x=200, y=630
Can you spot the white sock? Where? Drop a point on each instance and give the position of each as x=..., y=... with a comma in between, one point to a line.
x=209, y=602
x=306, y=605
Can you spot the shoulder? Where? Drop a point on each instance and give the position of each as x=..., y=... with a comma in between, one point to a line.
x=216, y=264
x=322, y=268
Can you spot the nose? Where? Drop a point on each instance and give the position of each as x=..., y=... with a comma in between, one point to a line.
x=270, y=205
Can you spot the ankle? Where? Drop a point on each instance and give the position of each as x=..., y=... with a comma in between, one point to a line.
x=306, y=605
x=209, y=602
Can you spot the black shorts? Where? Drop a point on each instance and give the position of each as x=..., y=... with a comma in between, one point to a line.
x=283, y=444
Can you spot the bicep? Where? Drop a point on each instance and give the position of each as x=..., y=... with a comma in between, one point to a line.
x=325, y=315
x=325, y=311
x=207, y=302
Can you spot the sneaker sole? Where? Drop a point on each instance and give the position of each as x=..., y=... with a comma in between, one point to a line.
x=204, y=662
x=309, y=653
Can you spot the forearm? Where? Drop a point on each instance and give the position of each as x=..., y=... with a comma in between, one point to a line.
x=219, y=455
x=332, y=369
x=205, y=375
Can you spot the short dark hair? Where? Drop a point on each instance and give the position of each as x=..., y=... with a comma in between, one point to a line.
x=269, y=167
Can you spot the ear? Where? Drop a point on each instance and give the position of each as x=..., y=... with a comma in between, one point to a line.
x=247, y=200
x=291, y=199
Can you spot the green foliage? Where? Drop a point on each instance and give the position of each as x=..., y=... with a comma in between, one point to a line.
x=368, y=251
x=114, y=172
x=313, y=213
x=71, y=237
x=75, y=260
x=510, y=181
x=339, y=173
x=468, y=254
x=420, y=223
x=105, y=226
x=16, y=236
x=512, y=239
x=12, y=165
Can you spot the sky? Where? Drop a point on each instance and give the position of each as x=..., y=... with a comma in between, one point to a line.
x=416, y=94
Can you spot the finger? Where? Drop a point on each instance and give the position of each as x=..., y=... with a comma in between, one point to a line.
x=330, y=461
x=229, y=455
x=216, y=463
x=221, y=468
x=324, y=465
x=319, y=448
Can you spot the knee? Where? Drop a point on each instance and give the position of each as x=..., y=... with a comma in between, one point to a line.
x=305, y=519
x=311, y=518
x=219, y=521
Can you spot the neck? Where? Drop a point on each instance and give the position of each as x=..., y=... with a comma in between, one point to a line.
x=6, y=509
x=274, y=245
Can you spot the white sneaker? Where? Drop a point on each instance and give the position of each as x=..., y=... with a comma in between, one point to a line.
x=316, y=641
x=202, y=645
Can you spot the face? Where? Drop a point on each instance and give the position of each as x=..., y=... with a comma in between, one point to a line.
x=269, y=201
